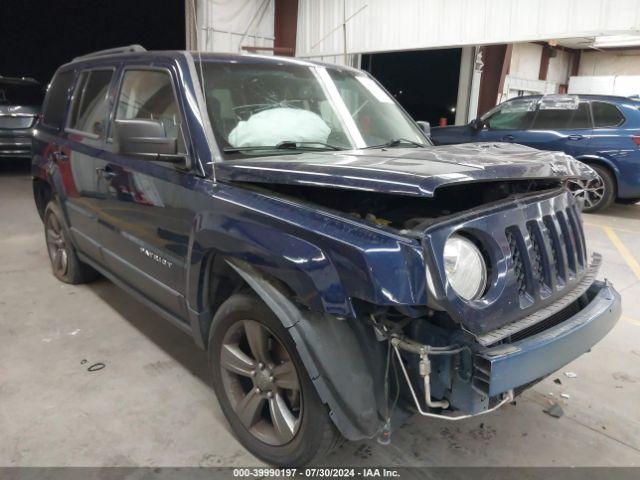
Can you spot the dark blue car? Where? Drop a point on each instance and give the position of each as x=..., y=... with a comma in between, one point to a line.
x=601, y=131
x=339, y=269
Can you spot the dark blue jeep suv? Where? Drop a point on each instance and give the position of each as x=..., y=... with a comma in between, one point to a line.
x=339, y=269
x=601, y=131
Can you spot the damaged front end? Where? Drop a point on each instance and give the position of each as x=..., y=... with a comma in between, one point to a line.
x=541, y=307
x=386, y=219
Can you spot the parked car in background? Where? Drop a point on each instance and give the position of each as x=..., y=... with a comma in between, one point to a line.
x=602, y=131
x=340, y=270
x=20, y=102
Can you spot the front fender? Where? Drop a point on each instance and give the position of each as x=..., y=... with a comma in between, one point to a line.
x=327, y=260
x=342, y=358
x=302, y=266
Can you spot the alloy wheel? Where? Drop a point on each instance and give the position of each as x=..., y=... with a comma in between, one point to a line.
x=261, y=382
x=590, y=192
x=56, y=245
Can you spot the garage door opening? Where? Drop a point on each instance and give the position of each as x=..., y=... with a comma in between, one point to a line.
x=424, y=82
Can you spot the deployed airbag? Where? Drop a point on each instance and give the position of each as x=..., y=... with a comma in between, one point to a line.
x=275, y=125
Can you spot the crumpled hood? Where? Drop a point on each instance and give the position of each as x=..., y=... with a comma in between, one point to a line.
x=405, y=171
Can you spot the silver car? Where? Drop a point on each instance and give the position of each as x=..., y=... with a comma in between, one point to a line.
x=20, y=101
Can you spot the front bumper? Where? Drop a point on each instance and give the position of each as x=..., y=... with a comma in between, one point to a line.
x=509, y=366
x=491, y=376
x=15, y=143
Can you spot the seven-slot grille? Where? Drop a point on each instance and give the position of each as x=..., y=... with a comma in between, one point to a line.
x=548, y=254
x=16, y=121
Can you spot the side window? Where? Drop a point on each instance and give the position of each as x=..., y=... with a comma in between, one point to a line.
x=148, y=94
x=513, y=115
x=563, y=119
x=606, y=115
x=89, y=109
x=55, y=102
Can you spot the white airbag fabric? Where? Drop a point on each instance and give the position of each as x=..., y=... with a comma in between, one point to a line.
x=276, y=125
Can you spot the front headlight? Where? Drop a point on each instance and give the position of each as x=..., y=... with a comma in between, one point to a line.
x=465, y=267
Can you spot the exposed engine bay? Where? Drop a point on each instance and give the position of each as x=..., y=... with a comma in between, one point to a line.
x=406, y=213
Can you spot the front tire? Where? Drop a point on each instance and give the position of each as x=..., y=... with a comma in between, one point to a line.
x=263, y=388
x=65, y=264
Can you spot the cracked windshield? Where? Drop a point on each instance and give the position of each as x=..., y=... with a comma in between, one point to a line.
x=261, y=109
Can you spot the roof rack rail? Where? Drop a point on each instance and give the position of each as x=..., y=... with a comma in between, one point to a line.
x=113, y=51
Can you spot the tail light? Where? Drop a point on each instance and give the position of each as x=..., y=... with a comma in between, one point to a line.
x=636, y=140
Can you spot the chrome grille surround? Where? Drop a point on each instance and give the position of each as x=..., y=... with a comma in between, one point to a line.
x=16, y=122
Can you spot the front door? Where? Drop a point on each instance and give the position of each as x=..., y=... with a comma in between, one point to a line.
x=507, y=122
x=147, y=211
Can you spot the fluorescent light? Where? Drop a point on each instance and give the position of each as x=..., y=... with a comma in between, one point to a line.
x=609, y=41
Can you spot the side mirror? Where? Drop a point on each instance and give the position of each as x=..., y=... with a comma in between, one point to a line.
x=477, y=124
x=425, y=127
x=146, y=138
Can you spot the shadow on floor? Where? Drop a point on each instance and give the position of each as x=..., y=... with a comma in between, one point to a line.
x=179, y=345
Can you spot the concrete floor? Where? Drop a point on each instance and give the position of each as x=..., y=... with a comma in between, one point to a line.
x=152, y=405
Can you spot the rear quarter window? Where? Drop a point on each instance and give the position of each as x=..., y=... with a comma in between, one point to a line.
x=55, y=103
x=606, y=115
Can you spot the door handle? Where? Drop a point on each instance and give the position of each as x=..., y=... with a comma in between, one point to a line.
x=508, y=138
x=575, y=137
x=106, y=173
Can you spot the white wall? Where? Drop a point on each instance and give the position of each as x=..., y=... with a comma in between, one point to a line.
x=524, y=71
x=620, y=62
x=525, y=60
x=559, y=68
x=222, y=24
x=625, y=85
x=385, y=25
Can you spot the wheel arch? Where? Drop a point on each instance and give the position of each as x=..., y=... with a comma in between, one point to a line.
x=354, y=396
x=605, y=163
x=42, y=194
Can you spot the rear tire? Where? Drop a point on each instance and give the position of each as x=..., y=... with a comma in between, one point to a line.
x=65, y=264
x=275, y=412
x=597, y=195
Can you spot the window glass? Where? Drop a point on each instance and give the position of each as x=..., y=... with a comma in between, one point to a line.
x=563, y=119
x=89, y=109
x=263, y=105
x=20, y=92
x=606, y=115
x=56, y=100
x=513, y=115
x=148, y=94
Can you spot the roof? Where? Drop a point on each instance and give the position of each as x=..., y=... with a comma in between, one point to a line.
x=137, y=51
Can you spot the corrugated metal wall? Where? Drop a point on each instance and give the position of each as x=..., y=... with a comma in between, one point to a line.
x=385, y=25
x=228, y=25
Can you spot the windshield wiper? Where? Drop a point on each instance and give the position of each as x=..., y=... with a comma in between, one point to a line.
x=285, y=145
x=397, y=142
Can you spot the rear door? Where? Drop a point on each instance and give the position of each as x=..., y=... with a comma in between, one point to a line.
x=83, y=144
x=561, y=129
x=147, y=209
